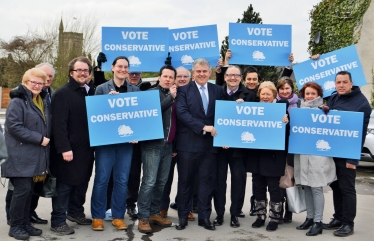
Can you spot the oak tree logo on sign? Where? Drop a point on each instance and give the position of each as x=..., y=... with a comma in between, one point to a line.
x=329, y=85
x=124, y=131
x=258, y=56
x=322, y=145
x=186, y=59
x=247, y=137
x=134, y=60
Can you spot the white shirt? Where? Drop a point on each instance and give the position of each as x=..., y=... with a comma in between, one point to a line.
x=205, y=90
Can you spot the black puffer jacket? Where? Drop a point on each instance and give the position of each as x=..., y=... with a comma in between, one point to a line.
x=25, y=128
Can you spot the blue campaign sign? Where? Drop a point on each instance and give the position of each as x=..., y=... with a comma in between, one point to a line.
x=188, y=44
x=260, y=44
x=323, y=70
x=146, y=48
x=124, y=117
x=250, y=125
x=337, y=134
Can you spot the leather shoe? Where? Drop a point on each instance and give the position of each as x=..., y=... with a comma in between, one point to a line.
x=182, y=224
x=37, y=220
x=132, y=213
x=206, y=224
x=241, y=214
x=218, y=221
x=307, y=224
x=344, y=231
x=191, y=217
x=333, y=224
x=315, y=229
x=174, y=206
x=234, y=222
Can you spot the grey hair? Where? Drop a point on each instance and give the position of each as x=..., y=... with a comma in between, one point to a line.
x=189, y=73
x=200, y=61
x=234, y=66
x=46, y=64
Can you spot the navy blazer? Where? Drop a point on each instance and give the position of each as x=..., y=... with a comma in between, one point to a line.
x=192, y=118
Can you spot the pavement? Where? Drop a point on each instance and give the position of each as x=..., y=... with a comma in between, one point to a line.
x=363, y=221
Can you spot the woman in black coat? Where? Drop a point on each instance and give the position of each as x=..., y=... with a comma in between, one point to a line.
x=267, y=168
x=27, y=133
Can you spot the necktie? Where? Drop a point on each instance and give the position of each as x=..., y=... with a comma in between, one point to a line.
x=48, y=96
x=231, y=92
x=204, y=99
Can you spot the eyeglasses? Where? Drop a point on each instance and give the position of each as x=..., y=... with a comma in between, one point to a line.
x=34, y=83
x=134, y=73
x=182, y=76
x=233, y=75
x=79, y=71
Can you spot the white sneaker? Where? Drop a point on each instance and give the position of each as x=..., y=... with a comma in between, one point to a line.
x=108, y=215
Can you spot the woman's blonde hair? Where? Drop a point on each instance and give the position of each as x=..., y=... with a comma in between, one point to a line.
x=267, y=84
x=34, y=72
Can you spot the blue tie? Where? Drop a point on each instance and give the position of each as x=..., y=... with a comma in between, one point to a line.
x=204, y=99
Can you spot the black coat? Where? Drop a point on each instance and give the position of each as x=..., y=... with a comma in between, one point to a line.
x=70, y=133
x=269, y=163
x=25, y=128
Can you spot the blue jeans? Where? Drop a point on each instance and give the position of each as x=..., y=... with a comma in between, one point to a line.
x=156, y=167
x=116, y=157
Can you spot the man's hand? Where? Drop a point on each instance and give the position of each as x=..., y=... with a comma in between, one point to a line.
x=324, y=108
x=350, y=166
x=210, y=129
x=68, y=156
x=219, y=65
x=228, y=55
x=134, y=142
x=173, y=91
x=225, y=147
x=285, y=118
x=45, y=141
x=238, y=101
x=315, y=57
x=101, y=58
x=173, y=154
x=290, y=58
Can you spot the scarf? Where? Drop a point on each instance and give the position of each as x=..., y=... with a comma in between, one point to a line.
x=38, y=102
x=312, y=104
x=293, y=99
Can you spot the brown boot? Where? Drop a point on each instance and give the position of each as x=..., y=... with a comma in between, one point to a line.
x=144, y=227
x=191, y=217
x=119, y=224
x=158, y=219
x=164, y=213
x=97, y=224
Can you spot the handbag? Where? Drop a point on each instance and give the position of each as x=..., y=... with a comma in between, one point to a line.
x=296, y=199
x=3, y=149
x=286, y=180
x=46, y=188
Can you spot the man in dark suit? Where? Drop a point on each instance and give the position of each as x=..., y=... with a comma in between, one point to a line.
x=195, y=112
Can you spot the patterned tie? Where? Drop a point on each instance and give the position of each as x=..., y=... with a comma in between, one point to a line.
x=231, y=92
x=204, y=99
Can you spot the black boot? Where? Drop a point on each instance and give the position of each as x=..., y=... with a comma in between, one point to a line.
x=261, y=210
x=252, y=211
x=287, y=214
x=307, y=224
x=275, y=215
x=315, y=229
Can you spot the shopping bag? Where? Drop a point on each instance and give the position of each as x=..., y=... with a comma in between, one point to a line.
x=296, y=199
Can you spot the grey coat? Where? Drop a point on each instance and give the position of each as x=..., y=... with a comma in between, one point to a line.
x=314, y=171
x=25, y=128
x=109, y=86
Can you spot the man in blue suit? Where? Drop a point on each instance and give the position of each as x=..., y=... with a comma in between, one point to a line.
x=197, y=156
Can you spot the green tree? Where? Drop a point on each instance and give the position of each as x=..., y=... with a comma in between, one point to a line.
x=250, y=16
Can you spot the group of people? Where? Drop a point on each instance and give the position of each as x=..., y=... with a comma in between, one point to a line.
x=46, y=132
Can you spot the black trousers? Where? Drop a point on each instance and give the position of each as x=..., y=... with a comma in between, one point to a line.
x=201, y=163
x=167, y=189
x=263, y=183
x=238, y=182
x=21, y=200
x=344, y=195
x=134, y=177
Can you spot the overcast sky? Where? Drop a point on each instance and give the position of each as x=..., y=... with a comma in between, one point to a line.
x=17, y=16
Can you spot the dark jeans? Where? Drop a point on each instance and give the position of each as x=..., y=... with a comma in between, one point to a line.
x=134, y=177
x=202, y=163
x=21, y=200
x=238, y=182
x=156, y=167
x=344, y=195
x=270, y=183
x=70, y=200
x=34, y=205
